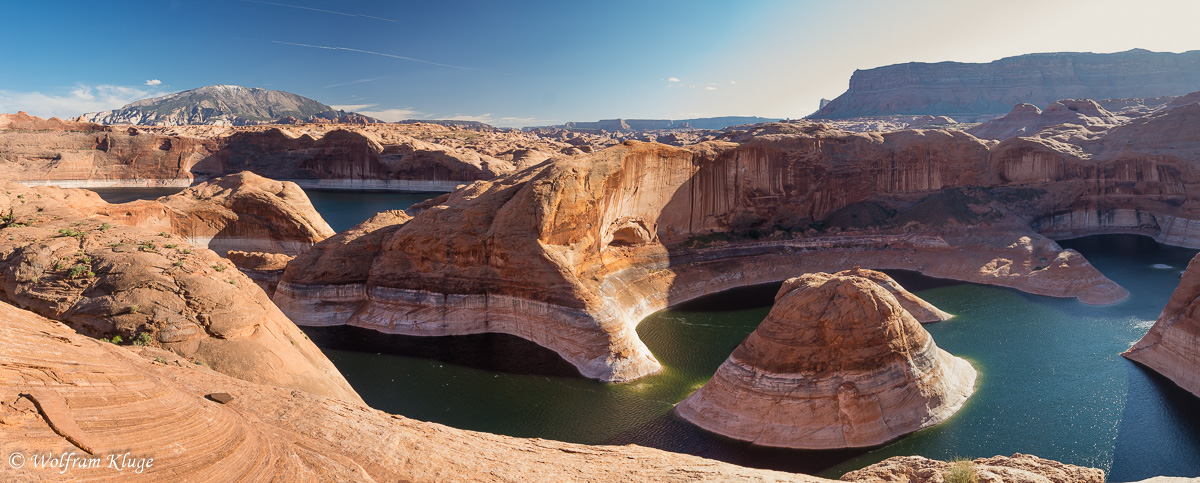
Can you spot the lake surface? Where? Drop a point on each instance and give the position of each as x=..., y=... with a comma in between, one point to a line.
x=341, y=209
x=1052, y=382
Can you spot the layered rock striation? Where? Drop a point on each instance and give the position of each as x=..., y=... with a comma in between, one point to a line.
x=967, y=91
x=1172, y=346
x=107, y=277
x=64, y=393
x=837, y=363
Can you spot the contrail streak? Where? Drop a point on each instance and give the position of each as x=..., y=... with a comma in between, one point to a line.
x=381, y=54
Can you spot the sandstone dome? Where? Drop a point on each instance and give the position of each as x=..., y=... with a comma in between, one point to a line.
x=837, y=363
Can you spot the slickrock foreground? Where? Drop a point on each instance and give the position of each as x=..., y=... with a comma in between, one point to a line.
x=838, y=363
x=151, y=404
x=1018, y=468
x=61, y=258
x=1172, y=346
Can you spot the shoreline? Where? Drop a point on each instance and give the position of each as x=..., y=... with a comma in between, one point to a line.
x=379, y=185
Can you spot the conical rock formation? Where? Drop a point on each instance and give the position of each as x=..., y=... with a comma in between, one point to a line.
x=838, y=363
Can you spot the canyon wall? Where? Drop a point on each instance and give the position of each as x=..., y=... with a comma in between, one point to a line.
x=967, y=91
x=573, y=253
x=1172, y=346
x=376, y=156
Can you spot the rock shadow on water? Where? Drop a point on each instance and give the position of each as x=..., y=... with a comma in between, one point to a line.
x=672, y=433
x=494, y=352
x=1154, y=402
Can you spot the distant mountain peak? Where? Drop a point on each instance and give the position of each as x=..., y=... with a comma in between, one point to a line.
x=221, y=104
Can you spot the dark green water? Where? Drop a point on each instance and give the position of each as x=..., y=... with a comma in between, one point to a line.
x=1051, y=383
x=341, y=209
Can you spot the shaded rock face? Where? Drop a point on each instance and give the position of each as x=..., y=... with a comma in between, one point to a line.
x=837, y=363
x=1172, y=346
x=105, y=278
x=65, y=393
x=350, y=156
x=38, y=150
x=220, y=104
x=1018, y=468
x=967, y=91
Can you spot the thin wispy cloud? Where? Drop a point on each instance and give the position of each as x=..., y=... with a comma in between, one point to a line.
x=74, y=101
x=153, y=82
x=673, y=79
x=360, y=81
x=388, y=115
x=371, y=52
x=710, y=88
x=344, y=14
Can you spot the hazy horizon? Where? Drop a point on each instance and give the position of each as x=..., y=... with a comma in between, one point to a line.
x=537, y=63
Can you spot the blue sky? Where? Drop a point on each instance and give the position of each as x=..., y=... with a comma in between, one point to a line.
x=531, y=62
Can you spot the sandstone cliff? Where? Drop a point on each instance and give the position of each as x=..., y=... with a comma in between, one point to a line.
x=64, y=393
x=1172, y=346
x=966, y=91
x=1019, y=468
x=105, y=278
x=574, y=252
x=415, y=156
x=838, y=363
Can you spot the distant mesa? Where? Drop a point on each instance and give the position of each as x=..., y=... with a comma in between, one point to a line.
x=976, y=91
x=837, y=363
x=472, y=125
x=226, y=105
x=658, y=124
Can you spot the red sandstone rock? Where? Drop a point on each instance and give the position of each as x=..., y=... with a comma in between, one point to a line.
x=1172, y=346
x=574, y=252
x=1019, y=468
x=104, y=278
x=838, y=363
x=152, y=404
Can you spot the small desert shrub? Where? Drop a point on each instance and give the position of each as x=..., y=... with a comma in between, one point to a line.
x=80, y=271
x=170, y=245
x=133, y=309
x=116, y=339
x=178, y=263
x=960, y=471
x=219, y=268
x=105, y=227
x=143, y=339
x=164, y=234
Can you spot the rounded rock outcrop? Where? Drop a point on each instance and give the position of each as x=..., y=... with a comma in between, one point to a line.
x=838, y=363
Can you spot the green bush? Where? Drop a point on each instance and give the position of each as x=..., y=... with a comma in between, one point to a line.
x=143, y=339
